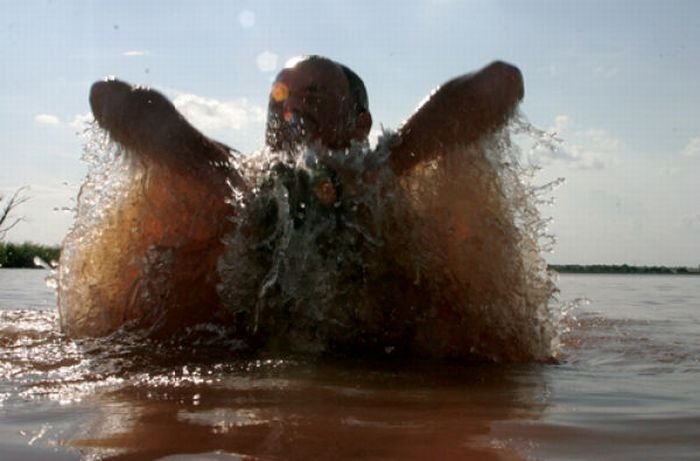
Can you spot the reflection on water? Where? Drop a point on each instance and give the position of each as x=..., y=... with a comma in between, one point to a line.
x=627, y=389
x=302, y=410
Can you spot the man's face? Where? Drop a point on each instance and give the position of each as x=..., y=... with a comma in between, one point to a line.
x=311, y=102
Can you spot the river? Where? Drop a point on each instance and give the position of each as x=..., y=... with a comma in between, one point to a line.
x=626, y=388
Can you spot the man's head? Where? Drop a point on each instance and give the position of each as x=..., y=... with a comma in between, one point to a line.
x=317, y=100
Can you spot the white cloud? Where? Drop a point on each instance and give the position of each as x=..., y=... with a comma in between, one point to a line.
x=267, y=61
x=210, y=114
x=132, y=53
x=586, y=149
x=81, y=121
x=693, y=147
x=47, y=119
x=603, y=139
x=246, y=19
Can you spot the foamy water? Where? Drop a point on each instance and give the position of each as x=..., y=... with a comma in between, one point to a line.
x=626, y=389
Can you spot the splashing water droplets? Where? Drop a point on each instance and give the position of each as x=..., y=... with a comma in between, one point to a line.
x=444, y=262
x=336, y=253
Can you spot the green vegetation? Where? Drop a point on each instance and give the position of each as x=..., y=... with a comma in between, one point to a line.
x=18, y=255
x=621, y=269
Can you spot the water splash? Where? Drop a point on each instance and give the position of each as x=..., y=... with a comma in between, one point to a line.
x=143, y=247
x=443, y=262
x=331, y=252
x=109, y=179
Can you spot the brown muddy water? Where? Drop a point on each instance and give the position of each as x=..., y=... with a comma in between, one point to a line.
x=626, y=388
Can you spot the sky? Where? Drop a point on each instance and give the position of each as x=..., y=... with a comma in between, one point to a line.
x=616, y=81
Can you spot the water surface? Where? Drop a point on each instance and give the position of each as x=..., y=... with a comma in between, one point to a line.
x=626, y=389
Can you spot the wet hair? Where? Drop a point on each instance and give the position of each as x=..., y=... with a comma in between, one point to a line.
x=357, y=89
x=355, y=83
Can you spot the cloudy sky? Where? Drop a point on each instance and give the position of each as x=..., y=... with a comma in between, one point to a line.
x=617, y=81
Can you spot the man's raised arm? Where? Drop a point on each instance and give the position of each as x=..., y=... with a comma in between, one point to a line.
x=459, y=112
x=148, y=124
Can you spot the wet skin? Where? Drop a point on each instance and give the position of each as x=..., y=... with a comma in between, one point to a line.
x=167, y=225
x=180, y=206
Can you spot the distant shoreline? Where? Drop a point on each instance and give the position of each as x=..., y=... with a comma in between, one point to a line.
x=22, y=256
x=561, y=269
x=27, y=255
x=622, y=269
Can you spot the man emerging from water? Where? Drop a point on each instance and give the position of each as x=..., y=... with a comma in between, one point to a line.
x=345, y=264
x=178, y=208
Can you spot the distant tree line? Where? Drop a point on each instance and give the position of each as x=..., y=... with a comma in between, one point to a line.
x=621, y=269
x=19, y=255
x=22, y=255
